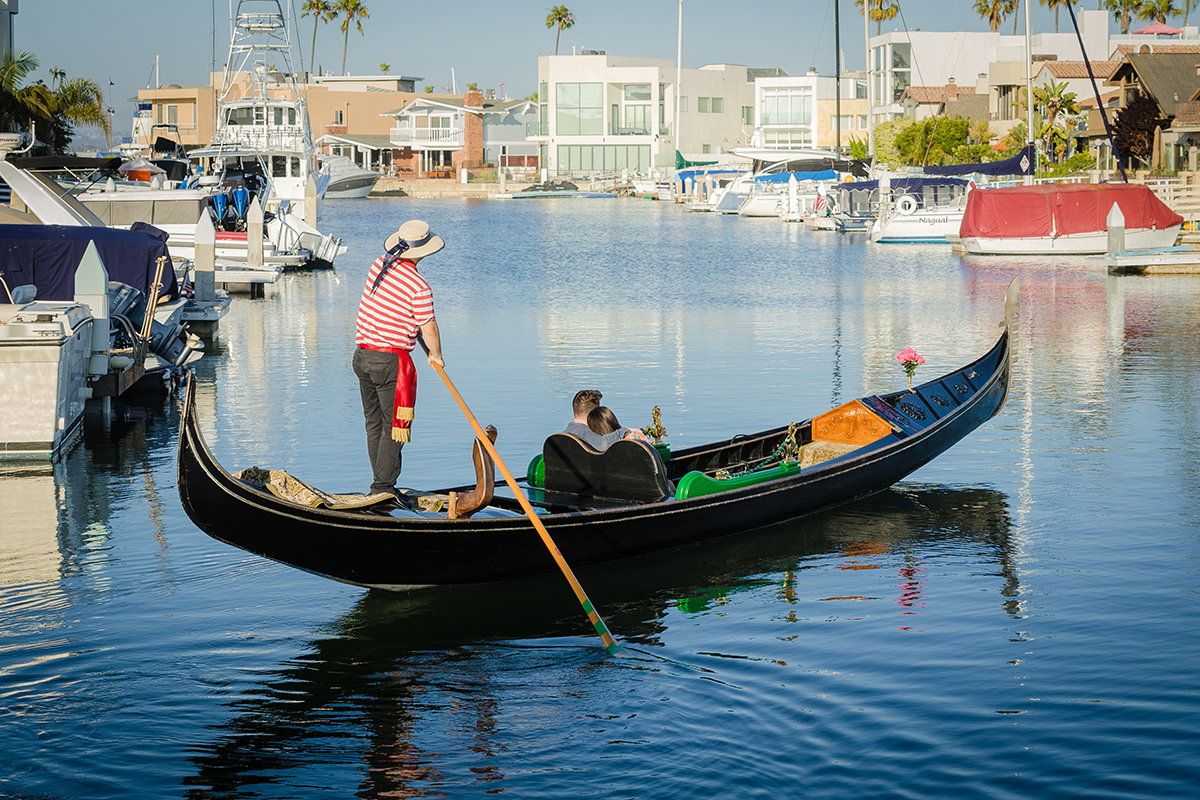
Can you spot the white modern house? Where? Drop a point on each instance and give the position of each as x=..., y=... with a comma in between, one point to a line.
x=605, y=113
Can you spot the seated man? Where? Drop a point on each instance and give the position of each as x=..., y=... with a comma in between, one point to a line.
x=583, y=404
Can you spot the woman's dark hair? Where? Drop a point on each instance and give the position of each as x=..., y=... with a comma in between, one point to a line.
x=602, y=420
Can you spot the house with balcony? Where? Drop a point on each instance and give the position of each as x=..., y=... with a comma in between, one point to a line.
x=436, y=136
x=601, y=113
x=802, y=112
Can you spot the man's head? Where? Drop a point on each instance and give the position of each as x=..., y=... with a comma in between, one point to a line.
x=419, y=239
x=584, y=402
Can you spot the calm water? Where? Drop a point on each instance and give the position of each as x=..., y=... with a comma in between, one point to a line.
x=1018, y=619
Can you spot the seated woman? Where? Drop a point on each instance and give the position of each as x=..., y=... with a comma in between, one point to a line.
x=603, y=421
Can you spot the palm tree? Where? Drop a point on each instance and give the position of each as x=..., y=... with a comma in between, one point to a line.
x=1055, y=4
x=321, y=11
x=1053, y=100
x=1123, y=11
x=1157, y=10
x=880, y=12
x=1187, y=7
x=994, y=11
x=78, y=101
x=19, y=104
x=560, y=16
x=385, y=68
x=353, y=12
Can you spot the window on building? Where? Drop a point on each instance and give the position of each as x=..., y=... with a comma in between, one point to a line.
x=603, y=158
x=790, y=105
x=747, y=115
x=637, y=119
x=860, y=90
x=702, y=104
x=580, y=109
x=901, y=68
x=862, y=122
x=637, y=92
x=705, y=149
x=339, y=116
x=787, y=138
x=543, y=114
x=683, y=105
x=847, y=122
x=718, y=105
x=614, y=123
x=172, y=113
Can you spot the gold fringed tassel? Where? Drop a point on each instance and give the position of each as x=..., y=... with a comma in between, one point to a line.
x=401, y=434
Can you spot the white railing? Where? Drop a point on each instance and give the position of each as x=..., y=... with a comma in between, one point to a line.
x=443, y=136
x=258, y=139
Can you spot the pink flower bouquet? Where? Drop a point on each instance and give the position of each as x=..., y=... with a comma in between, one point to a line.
x=910, y=359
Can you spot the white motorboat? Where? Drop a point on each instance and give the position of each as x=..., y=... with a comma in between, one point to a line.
x=347, y=179
x=919, y=210
x=44, y=353
x=1067, y=219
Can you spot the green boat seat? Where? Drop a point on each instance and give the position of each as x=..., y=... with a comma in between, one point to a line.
x=628, y=470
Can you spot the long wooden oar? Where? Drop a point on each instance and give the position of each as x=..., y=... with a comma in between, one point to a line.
x=594, y=616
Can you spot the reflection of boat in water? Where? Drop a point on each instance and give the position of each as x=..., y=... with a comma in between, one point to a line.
x=611, y=506
x=370, y=678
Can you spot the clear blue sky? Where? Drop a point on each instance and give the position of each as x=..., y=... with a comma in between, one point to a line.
x=485, y=42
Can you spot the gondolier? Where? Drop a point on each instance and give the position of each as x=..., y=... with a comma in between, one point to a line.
x=395, y=313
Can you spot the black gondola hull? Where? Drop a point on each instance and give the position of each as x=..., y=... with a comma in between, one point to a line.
x=406, y=553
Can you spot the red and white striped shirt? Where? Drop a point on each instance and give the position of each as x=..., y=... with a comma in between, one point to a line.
x=389, y=317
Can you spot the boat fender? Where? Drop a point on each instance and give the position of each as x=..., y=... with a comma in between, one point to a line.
x=535, y=474
x=906, y=205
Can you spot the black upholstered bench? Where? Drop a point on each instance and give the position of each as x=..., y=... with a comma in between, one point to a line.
x=628, y=470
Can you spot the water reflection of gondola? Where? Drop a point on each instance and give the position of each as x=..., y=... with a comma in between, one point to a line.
x=389, y=661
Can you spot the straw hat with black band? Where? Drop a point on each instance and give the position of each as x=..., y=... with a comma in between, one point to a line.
x=420, y=240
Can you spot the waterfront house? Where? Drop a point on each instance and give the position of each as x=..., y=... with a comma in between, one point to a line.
x=438, y=136
x=602, y=113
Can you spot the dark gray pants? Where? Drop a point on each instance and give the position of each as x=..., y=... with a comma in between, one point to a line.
x=377, y=373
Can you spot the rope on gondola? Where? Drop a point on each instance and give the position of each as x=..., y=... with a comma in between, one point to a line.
x=787, y=451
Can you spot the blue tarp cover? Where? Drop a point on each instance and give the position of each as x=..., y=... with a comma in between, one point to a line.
x=782, y=177
x=48, y=255
x=902, y=185
x=1009, y=166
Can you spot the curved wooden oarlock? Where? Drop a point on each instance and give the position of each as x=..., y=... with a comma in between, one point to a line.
x=467, y=503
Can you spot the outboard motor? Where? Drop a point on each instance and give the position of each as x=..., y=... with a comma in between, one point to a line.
x=220, y=203
x=241, y=202
x=171, y=342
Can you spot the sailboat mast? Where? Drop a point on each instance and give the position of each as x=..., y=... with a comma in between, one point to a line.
x=679, y=83
x=837, y=74
x=870, y=77
x=1028, y=89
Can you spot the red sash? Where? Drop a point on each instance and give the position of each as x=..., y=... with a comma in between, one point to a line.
x=406, y=393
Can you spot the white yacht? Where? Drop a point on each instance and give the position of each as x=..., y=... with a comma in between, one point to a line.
x=347, y=179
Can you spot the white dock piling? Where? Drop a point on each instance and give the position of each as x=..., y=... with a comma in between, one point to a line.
x=205, y=264
x=1116, y=230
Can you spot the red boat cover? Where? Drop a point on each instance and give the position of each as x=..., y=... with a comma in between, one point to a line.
x=1060, y=209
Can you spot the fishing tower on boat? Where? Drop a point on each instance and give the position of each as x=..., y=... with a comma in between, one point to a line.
x=262, y=113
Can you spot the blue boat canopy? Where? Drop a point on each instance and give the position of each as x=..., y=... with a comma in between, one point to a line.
x=905, y=185
x=782, y=177
x=1023, y=163
x=48, y=255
